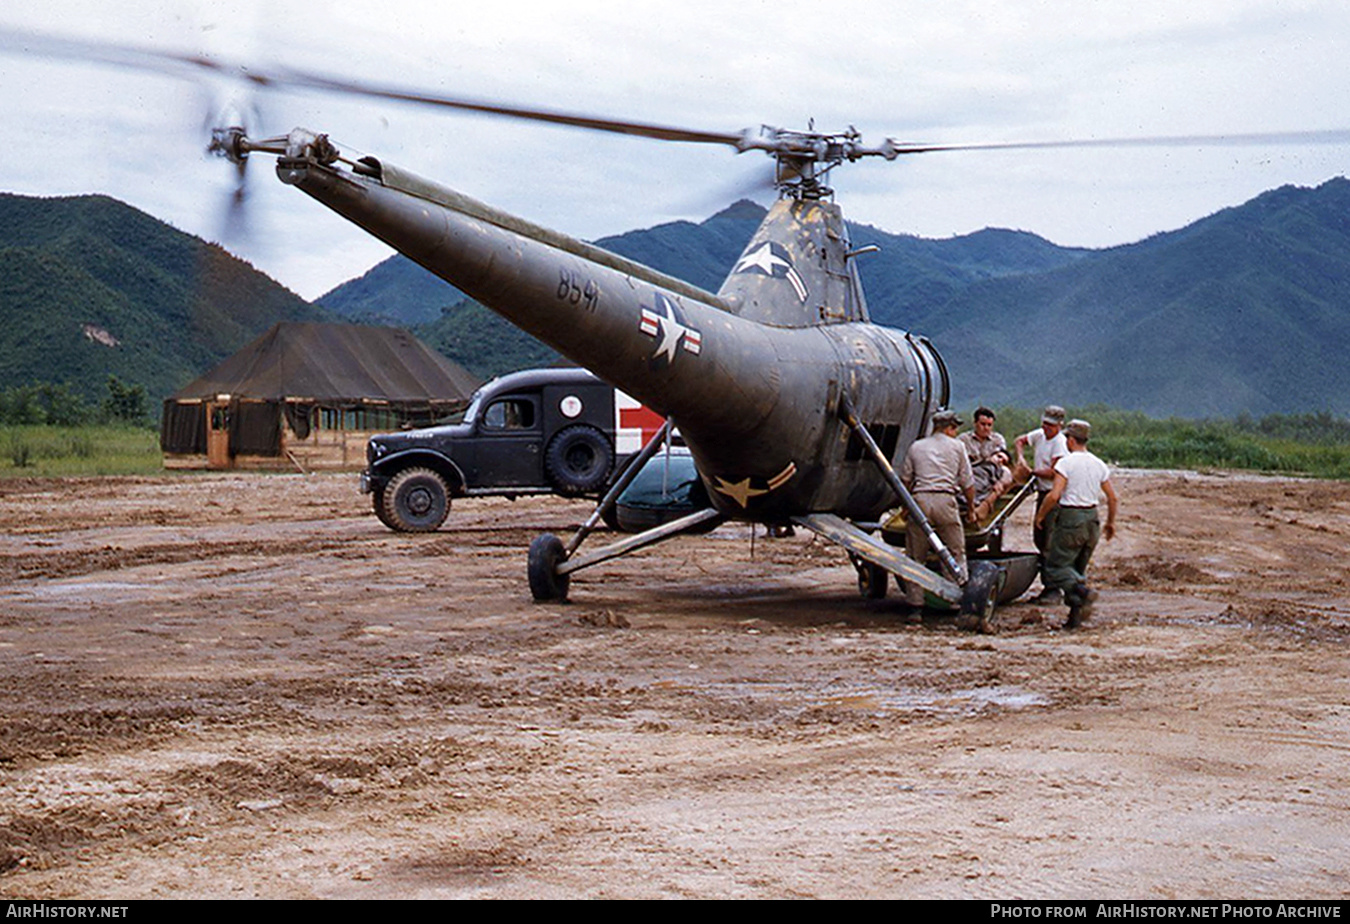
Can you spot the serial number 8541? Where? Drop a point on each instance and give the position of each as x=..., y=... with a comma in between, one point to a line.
x=573, y=292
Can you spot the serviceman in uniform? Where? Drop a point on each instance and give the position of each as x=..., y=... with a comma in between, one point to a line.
x=989, y=461
x=935, y=470
x=1047, y=448
x=1080, y=477
x=983, y=444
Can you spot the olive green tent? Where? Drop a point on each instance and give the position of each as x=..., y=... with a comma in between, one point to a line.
x=317, y=378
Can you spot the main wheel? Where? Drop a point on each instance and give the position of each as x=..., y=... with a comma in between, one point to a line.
x=979, y=604
x=546, y=553
x=416, y=500
x=872, y=579
x=578, y=459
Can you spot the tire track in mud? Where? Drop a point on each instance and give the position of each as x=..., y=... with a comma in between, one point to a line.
x=199, y=795
x=76, y=562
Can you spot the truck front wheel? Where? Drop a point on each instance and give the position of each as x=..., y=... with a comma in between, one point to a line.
x=377, y=501
x=416, y=500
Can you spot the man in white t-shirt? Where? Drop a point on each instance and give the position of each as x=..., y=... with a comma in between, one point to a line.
x=1047, y=447
x=1080, y=477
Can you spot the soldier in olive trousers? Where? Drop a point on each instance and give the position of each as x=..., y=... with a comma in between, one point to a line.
x=1074, y=530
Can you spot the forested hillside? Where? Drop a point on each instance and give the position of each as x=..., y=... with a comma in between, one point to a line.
x=91, y=287
x=1247, y=310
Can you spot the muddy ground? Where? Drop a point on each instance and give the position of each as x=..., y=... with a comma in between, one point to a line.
x=243, y=685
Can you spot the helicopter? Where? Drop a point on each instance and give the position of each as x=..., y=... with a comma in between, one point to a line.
x=795, y=406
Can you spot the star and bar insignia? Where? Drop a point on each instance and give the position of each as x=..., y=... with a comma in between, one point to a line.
x=665, y=322
x=772, y=259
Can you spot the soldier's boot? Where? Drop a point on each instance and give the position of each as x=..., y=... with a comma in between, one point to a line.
x=1048, y=595
x=1075, y=617
x=1086, y=596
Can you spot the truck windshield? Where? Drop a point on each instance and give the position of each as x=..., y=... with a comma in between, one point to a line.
x=469, y=413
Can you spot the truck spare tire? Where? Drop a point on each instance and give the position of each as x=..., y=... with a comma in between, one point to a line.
x=578, y=460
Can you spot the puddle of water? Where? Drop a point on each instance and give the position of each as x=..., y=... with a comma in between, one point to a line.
x=97, y=591
x=870, y=700
x=1007, y=697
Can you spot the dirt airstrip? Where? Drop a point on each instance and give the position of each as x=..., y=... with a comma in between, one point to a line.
x=243, y=685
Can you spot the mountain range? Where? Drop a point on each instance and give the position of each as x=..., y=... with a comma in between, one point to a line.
x=1247, y=310
x=91, y=287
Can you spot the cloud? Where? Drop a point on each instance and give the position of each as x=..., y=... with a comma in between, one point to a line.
x=963, y=71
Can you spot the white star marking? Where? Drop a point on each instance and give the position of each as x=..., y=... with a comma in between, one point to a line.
x=671, y=332
x=763, y=258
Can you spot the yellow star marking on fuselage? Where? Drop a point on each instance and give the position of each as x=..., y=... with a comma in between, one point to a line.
x=740, y=491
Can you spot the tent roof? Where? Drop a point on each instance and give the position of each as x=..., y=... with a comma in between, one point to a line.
x=335, y=362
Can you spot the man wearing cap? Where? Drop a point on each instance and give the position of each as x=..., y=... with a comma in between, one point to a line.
x=1079, y=478
x=935, y=470
x=1047, y=447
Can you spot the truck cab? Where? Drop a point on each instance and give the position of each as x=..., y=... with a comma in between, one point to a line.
x=539, y=431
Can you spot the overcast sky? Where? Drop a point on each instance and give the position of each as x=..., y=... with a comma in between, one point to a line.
x=918, y=71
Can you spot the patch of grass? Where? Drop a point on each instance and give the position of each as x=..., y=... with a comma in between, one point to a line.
x=1302, y=444
x=35, y=451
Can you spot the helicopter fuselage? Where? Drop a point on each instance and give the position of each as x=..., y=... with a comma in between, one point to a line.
x=753, y=375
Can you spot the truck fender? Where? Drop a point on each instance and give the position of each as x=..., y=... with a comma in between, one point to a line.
x=439, y=462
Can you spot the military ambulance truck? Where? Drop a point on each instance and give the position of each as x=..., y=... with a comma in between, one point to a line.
x=540, y=431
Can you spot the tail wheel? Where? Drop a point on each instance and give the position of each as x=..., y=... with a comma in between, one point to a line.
x=416, y=500
x=578, y=460
x=546, y=584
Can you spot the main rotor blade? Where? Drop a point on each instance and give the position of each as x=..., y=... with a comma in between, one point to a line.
x=1321, y=136
x=176, y=64
x=771, y=141
x=181, y=63
x=292, y=78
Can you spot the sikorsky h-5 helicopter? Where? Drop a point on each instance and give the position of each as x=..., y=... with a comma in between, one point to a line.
x=796, y=407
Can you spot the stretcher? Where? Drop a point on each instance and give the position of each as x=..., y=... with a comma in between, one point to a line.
x=984, y=540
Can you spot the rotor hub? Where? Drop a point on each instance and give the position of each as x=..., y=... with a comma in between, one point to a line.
x=804, y=158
